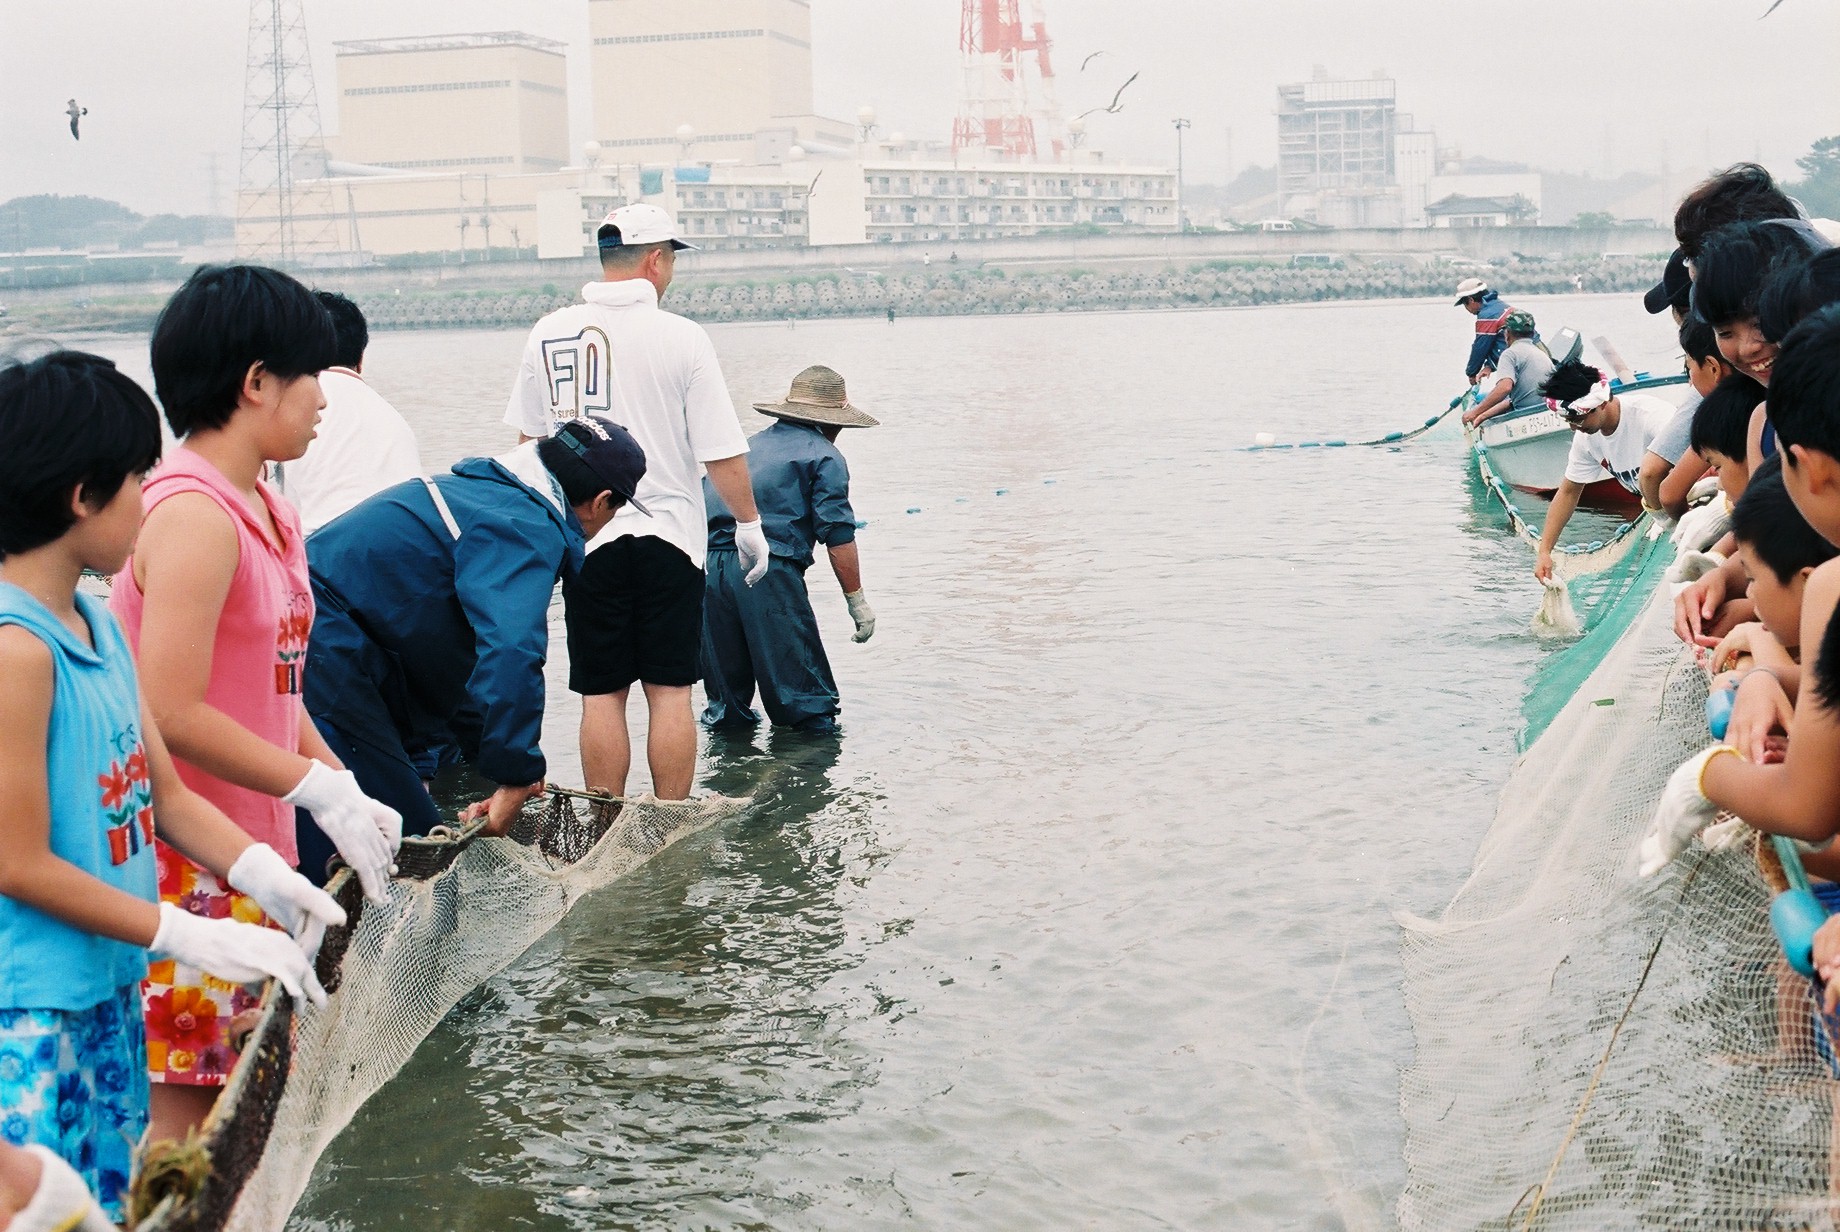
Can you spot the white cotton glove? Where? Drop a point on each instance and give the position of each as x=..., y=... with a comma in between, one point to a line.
x=862, y=614
x=293, y=902
x=62, y=1201
x=1727, y=833
x=1691, y=566
x=236, y=952
x=366, y=833
x=1700, y=528
x=1683, y=812
x=751, y=543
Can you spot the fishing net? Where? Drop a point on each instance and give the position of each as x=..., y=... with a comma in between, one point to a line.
x=462, y=907
x=1595, y=1051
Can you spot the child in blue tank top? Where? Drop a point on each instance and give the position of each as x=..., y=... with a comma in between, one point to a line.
x=88, y=782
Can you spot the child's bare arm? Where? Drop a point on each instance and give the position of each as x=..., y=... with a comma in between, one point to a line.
x=185, y=819
x=1801, y=796
x=29, y=872
x=185, y=562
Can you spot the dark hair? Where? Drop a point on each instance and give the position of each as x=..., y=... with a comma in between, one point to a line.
x=1571, y=379
x=1805, y=386
x=1740, y=193
x=224, y=319
x=1722, y=423
x=628, y=256
x=1698, y=340
x=1736, y=261
x=67, y=420
x=578, y=480
x=1778, y=534
x=1794, y=292
x=348, y=326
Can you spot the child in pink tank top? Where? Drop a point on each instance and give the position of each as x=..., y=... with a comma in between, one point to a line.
x=217, y=605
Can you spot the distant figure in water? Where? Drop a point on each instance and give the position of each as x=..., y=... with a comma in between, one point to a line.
x=765, y=636
x=75, y=113
x=891, y=316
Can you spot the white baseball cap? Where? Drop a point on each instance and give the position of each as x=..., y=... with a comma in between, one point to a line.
x=638, y=223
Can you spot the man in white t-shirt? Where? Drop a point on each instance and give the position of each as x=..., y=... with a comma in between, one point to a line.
x=362, y=444
x=1610, y=433
x=635, y=611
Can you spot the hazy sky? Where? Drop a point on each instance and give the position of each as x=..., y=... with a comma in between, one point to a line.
x=1586, y=85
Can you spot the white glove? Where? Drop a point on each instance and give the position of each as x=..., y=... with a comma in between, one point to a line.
x=1683, y=812
x=236, y=952
x=366, y=833
x=1691, y=566
x=62, y=1201
x=1702, y=527
x=1727, y=833
x=751, y=543
x=862, y=614
x=290, y=900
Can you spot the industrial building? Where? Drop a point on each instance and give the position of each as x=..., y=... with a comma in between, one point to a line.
x=709, y=78
x=495, y=103
x=1347, y=157
x=458, y=144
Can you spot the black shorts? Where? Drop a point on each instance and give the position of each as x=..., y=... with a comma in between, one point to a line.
x=634, y=612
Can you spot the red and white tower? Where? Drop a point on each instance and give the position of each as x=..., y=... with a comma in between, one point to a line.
x=1009, y=102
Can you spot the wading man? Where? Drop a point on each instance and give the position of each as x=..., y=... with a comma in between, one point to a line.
x=635, y=611
x=766, y=635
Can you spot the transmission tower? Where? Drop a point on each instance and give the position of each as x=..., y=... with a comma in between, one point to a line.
x=1009, y=103
x=285, y=211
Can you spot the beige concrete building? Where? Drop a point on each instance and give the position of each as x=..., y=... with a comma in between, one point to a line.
x=495, y=103
x=675, y=79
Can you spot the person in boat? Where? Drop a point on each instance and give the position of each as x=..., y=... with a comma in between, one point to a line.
x=1522, y=367
x=635, y=610
x=362, y=444
x=89, y=787
x=1610, y=434
x=433, y=614
x=1475, y=297
x=766, y=636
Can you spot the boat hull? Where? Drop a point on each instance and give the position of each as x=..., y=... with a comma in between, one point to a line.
x=1529, y=453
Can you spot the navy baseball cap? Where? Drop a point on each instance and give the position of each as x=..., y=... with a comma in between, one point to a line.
x=1674, y=290
x=609, y=452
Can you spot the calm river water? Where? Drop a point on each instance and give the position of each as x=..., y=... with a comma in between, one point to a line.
x=1085, y=920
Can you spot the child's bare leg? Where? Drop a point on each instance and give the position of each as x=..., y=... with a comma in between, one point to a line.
x=177, y=1109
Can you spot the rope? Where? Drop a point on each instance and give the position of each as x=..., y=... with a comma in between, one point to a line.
x=1539, y=1191
x=1391, y=438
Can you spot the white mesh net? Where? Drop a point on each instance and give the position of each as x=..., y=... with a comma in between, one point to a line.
x=1595, y=1051
x=447, y=928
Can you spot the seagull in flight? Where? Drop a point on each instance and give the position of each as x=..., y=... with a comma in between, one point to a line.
x=75, y=113
x=1115, y=106
x=1095, y=55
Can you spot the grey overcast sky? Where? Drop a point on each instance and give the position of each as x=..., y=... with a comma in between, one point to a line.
x=1574, y=85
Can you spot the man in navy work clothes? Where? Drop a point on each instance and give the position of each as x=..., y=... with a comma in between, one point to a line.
x=765, y=636
x=433, y=615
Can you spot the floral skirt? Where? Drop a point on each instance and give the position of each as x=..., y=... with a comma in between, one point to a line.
x=76, y=1083
x=193, y=1017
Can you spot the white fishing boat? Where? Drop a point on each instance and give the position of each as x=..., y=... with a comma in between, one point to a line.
x=1528, y=449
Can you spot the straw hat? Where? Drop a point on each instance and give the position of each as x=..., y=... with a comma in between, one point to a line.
x=818, y=397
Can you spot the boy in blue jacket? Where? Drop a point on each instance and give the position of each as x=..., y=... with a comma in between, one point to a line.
x=433, y=620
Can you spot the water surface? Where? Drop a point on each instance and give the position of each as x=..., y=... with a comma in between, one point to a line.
x=1085, y=920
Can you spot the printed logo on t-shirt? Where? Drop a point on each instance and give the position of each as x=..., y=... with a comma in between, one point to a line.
x=127, y=798
x=291, y=642
x=576, y=370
